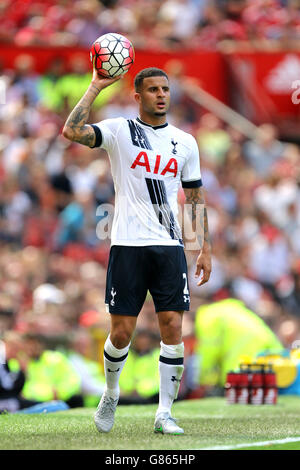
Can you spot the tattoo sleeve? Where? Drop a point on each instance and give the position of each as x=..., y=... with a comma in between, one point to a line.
x=75, y=128
x=195, y=208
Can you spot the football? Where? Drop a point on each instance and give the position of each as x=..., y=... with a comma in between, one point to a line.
x=112, y=55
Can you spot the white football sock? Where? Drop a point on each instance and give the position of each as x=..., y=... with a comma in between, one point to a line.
x=170, y=372
x=114, y=361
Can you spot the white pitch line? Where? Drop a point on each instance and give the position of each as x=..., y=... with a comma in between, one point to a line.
x=254, y=444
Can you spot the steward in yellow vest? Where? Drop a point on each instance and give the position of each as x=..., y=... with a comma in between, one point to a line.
x=225, y=331
x=50, y=375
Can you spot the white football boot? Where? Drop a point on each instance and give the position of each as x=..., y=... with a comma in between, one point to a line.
x=165, y=424
x=105, y=414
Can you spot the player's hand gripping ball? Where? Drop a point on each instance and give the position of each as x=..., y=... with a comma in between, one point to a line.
x=112, y=55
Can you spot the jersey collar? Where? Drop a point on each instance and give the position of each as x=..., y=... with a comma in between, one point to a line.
x=149, y=125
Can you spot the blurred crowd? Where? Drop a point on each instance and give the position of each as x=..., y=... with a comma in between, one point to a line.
x=54, y=194
x=262, y=24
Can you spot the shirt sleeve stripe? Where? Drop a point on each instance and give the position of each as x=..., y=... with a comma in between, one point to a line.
x=98, y=135
x=192, y=184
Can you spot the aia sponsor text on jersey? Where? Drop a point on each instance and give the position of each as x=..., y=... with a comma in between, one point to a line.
x=143, y=160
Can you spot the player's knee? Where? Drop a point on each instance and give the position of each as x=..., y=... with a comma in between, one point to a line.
x=171, y=330
x=120, y=337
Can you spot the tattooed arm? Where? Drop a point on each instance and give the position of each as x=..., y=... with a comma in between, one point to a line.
x=75, y=128
x=195, y=206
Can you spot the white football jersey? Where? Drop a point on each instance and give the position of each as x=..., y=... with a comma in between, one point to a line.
x=147, y=163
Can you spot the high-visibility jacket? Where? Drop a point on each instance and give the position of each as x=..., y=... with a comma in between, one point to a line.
x=226, y=331
x=72, y=87
x=50, y=377
x=141, y=374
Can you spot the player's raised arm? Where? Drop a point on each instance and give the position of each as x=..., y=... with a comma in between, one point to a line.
x=195, y=204
x=76, y=127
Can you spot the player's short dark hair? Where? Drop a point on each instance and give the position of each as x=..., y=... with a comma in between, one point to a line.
x=146, y=73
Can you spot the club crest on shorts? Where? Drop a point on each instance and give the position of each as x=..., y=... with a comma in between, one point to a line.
x=113, y=293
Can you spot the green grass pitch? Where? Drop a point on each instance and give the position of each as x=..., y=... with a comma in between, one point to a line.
x=208, y=423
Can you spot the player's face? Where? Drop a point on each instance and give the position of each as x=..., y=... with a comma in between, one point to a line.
x=154, y=96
